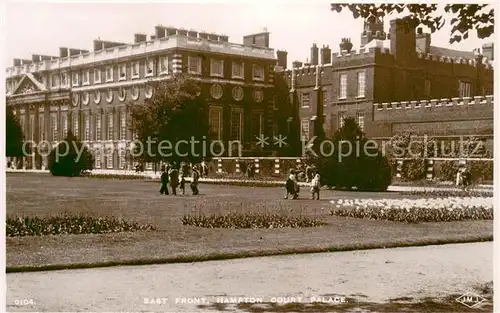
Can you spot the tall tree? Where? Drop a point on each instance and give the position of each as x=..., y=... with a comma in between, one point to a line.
x=464, y=18
x=174, y=121
x=287, y=118
x=13, y=134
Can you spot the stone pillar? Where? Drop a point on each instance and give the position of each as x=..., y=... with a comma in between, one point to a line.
x=238, y=166
x=257, y=169
x=399, y=168
x=276, y=166
x=430, y=170
x=219, y=165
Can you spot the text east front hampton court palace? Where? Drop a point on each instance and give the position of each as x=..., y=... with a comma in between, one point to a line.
x=396, y=81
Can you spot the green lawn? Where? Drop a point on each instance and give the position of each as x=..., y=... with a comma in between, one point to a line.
x=140, y=201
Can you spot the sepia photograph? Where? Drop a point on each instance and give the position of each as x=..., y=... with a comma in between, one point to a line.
x=249, y=156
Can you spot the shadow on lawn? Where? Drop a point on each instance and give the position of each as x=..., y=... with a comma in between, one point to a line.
x=403, y=304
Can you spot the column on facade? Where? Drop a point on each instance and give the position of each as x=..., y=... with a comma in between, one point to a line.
x=317, y=124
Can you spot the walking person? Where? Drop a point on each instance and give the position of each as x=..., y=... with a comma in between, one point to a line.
x=315, y=186
x=194, y=182
x=174, y=179
x=164, y=181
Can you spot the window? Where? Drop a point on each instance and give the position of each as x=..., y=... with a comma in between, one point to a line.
x=238, y=70
x=305, y=99
x=236, y=124
x=258, y=72
x=215, y=122
x=135, y=69
x=76, y=130
x=110, y=127
x=76, y=79
x=360, y=119
x=257, y=120
x=55, y=80
x=194, y=65
x=98, y=127
x=216, y=68
x=64, y=79
x=304, y=129
x=165, y=65
x=86, y=126
x=275, y=103
x=109, y=159
x=123, y=125
x=86, y=77
x=149, y=68
x=97, y=76
x=343, y=86
x=122, y=72
x=361, y=84
x=464, y=89
x=427, y=88
x=64, y=119
x=325, y=98
x=53, y=126
x=41, y=127
x=341, y=119
x=109, y=74
x=98, y=158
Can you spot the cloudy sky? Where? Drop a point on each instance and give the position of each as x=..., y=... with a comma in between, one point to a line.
x=41, y=28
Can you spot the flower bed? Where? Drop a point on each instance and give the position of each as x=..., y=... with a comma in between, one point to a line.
x=250, y=220
x=64, y=224
x=449, y=193
x=415, y=211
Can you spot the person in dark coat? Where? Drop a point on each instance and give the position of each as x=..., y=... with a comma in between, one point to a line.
x=194, y=182
x=174, y=180
x=164, y=181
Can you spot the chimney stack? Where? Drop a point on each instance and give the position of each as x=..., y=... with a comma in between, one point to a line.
x=171, y=31
x=193, y=33
x=63, y=52
x=314, y=54
x=296, y=64
x=488, y=51
x=326, y=55
x=160, y=32
x=140, y=38
x=17, y=62
x=282, y=58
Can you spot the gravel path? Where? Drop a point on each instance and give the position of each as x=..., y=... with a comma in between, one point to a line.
x=371, y=275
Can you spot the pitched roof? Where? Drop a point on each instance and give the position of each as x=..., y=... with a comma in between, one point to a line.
x=451, y=53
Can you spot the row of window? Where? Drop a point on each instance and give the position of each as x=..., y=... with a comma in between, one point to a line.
x=237, y=122
x=60, y=128
x=340, y=117
x=165, y=67
x=305, y=98
x=108, y=157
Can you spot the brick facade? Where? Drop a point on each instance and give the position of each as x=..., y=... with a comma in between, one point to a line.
x=395, y=73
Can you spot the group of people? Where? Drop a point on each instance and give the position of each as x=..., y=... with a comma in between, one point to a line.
x=174, y=177
x=293, y=189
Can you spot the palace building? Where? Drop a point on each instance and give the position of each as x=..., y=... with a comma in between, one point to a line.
x=87, y=91
x=396, y=82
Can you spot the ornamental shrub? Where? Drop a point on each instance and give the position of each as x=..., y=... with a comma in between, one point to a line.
x=366, y=169
x=64, y=159
x=413, y=169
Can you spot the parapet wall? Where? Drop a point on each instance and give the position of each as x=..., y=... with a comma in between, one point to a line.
x=435, y=109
